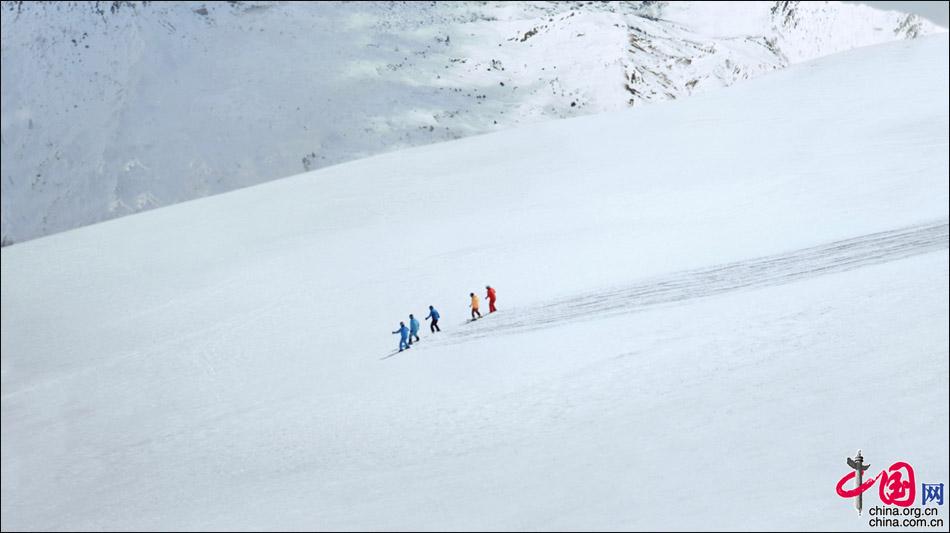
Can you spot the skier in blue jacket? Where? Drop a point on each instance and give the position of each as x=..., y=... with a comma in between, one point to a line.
x=403, y=332
x=434, y=315
x=413, y=329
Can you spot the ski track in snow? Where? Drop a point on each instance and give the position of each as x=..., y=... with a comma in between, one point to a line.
x=830, y=258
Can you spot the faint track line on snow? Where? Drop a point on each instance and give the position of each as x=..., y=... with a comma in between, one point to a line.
x=766, y=271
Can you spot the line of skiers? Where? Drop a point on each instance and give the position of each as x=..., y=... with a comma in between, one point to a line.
x=407, y=334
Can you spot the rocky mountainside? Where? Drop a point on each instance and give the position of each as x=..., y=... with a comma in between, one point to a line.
x=109, y=108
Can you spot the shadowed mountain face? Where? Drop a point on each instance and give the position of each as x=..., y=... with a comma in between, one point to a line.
x=113, y=108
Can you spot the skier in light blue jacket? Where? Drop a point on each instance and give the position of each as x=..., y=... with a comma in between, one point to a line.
x=413, y=329
x=403, y=332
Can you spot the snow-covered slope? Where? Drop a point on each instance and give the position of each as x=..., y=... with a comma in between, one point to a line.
x=705, y=306
x=112, y=108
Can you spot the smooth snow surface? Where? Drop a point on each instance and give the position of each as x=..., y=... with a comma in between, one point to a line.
x=705, y=306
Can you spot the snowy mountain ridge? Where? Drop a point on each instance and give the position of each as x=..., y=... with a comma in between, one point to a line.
x=110, y=108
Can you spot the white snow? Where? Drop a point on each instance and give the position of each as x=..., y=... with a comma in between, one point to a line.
x=113, y=108
x=705, y=306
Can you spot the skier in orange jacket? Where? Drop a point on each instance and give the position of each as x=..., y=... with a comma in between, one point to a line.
x=474, y=305
x=491, y=298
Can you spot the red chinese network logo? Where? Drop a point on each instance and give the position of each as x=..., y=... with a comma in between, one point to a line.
x=896, y=485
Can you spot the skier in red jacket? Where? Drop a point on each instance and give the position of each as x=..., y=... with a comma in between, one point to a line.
x=491, y=298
